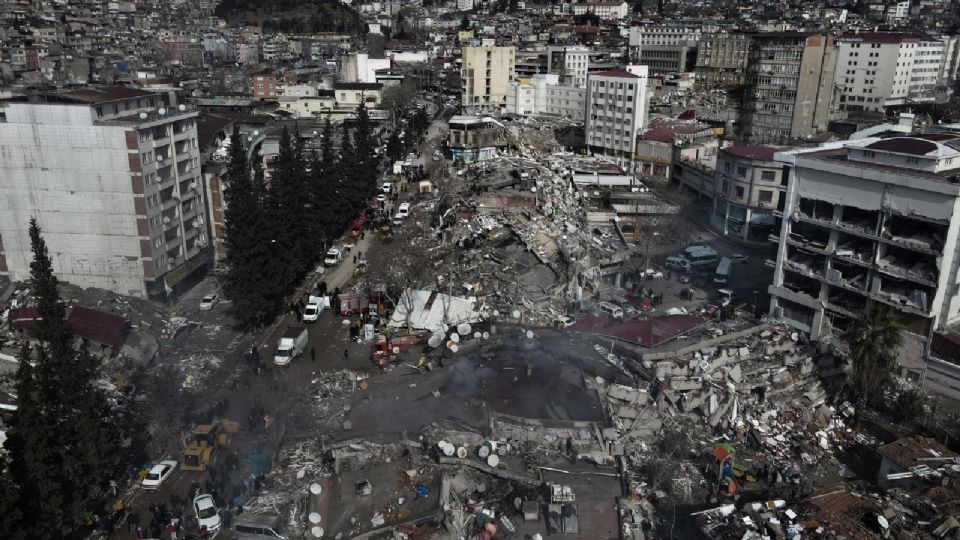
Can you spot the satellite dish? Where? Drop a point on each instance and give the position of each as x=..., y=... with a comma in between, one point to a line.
x=314, y=518
x=516, y=314
x=529, y=334
x=455, y=337
x=486, y=335
x=316, y=532
x=143, y=116
x=182, y=107
x=435, y=341
x=315, y=488
x=162, y=111
x=493, y=460
x=461, y=452
x=463, y=329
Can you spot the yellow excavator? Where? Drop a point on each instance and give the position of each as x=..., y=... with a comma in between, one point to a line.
x=207, y=441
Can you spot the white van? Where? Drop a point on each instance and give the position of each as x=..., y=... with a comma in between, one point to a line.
x=403, y=210
x=611, y=310
x=700, y=258
x=258, y=526
x=722, y=274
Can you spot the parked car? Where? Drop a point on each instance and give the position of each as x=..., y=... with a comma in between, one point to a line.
x=207, y=513
x=382, y=197
x=739, y=258
x=334, y=257
x=387, y=186
x=208, y=301
x=653, y=274
x=563, y=322
x=158, y=474
x=404, y=209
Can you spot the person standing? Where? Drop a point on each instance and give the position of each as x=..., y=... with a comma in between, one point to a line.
x=313, y=354
x=346, y=355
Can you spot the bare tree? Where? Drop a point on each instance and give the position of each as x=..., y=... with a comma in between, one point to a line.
x=403, y=268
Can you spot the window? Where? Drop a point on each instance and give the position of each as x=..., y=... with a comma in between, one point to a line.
x=739, y=190
x=869, y=154
x=741, y=171
x=726, y=187
x=158, y=241
x=726, y=168
x=766, y=196
x=913, y=160
x=768, y=176
x=154, y=222
x=147, y=157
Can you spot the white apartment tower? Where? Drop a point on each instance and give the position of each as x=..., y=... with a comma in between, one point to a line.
x=570, y=62
x=486, y=75
x=616, y=112
x=868, y=223
x=114, y=181
x=881, y=69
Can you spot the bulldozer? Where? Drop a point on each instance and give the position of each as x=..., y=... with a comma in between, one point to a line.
x=207, y=441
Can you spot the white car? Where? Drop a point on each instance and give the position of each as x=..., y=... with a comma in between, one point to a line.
x=158, y=474
x=739, y=258
x=207, y=513
x=208, y=301
x=654, y=274
x=312, y=312
x=387, y=186
x=382, y=197
x=404, y=209
x=333, y=258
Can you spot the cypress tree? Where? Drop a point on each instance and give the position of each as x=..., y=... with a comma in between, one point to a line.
x=328, y=157
x=244, y=222
x=64, y=445
x=394, y=147
x=364, y=145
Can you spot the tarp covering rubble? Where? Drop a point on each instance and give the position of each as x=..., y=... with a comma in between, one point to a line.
x=433, y=311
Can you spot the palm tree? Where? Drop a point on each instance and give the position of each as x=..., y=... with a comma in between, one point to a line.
x=874, y=339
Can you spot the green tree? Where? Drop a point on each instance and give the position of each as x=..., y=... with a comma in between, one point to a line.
x=874, y=340
x=63, y=443
x=365, y=144
x=244, y=219
x=288, y=211
x=328, y=156
x=395, y=149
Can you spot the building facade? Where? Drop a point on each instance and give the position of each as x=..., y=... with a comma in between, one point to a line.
x=789, y=87
x=115, y=184
x=616, y=112
x=722, y=59
x=486, y=75
x=747, y=193
x=869, y=223
x=570, y=63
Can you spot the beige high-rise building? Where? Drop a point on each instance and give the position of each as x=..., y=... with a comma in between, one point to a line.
x=486, y=75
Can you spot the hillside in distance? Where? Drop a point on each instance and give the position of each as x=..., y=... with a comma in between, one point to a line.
x=296, y=16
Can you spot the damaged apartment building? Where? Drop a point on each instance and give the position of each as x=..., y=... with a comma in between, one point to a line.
x=871, y=223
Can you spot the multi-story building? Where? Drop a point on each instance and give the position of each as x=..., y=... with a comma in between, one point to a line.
x=660, y=35
x=486, y=75
x=898, y=12
x=616, y=112
x=361, y=68
x=789, y=86
x=883, y=69
x=747, y=192
x=474, y=138
x=570, y=62
x=868, y=223
x=606, y=10
x=722, y=59
x=114, y=182
x=669, y=59
x=266, y=84
x=543, y=95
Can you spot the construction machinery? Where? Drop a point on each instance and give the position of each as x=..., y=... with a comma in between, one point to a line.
x=208, y=440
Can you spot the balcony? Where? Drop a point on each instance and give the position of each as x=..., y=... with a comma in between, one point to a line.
x=170, y=223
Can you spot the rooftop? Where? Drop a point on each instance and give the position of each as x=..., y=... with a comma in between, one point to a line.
x=618, y=73
x=879, y=37
x=910, y=452
x=105, y=94
x=764, y=153
x=665, y=130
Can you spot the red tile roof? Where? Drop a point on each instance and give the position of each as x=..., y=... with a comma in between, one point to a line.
x=904, y=145
x=841, y=512
x=764, y=153
x=106, y=94
x=665, y=130
x=97, y=326
x=908, y=452
x=620, y=73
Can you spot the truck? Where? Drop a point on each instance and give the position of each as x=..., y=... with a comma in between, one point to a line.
x=291, y=345
x=207, y=441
